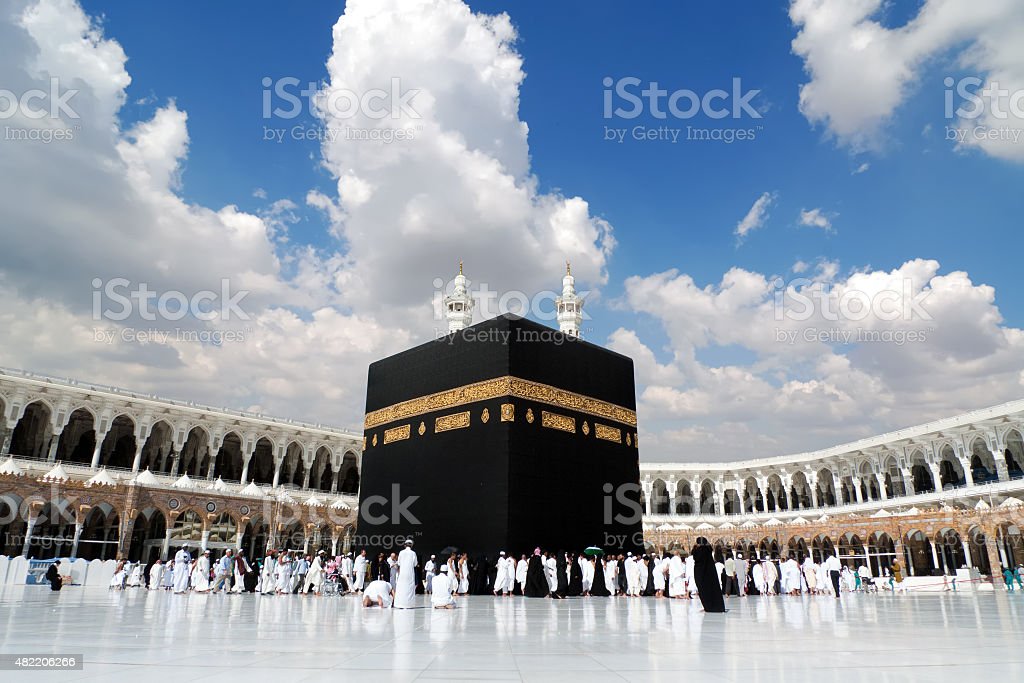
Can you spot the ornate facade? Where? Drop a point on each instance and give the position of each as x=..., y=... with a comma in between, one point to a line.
x=940, y=496
x=100, y=472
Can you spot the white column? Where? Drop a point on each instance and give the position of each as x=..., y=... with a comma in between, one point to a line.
x=648, y=489
x=29, y=528
x=100, y=438
x=968, y=474
x=245, y=467
x=137, y=460
x=908, y=482
x=5, y=438
x=858, y=495
x=277, y=472
x=78, y=536
x=882, y=495
x=305, y=476
x=670, y=488
x=936, y=475
x=205, y=540
x=54, y=443
x=165, y=549
x=935, y=555
x=967, y=553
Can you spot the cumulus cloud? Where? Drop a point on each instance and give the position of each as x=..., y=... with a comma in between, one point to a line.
x=756, y=216
x=812, y=362
x=108, y=204
x=861, y=71
x=461, y=188
x=816, y=218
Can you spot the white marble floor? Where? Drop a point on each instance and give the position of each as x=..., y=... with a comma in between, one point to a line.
x=138, y=635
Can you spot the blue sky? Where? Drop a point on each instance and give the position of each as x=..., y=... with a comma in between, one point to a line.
x=890, y=186
x=673, y=206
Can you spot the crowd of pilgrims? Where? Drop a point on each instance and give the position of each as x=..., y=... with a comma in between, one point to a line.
x=677, y=574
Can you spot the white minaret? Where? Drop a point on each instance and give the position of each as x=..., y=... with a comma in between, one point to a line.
x=459, y=305
x=570, y=306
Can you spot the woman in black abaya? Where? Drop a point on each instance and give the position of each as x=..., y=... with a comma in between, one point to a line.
x=648, y=590
x=706, y=577
x=575, y=588
x=561, y=576
x=599, y=588
x=536, y=581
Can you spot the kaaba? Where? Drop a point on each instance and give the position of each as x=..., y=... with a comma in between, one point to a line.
x=505, y=435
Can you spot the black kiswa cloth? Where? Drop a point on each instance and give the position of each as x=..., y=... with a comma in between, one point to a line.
x=536, y=581
x=706, y=577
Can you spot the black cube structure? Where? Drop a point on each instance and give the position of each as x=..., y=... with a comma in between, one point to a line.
x=503, y=436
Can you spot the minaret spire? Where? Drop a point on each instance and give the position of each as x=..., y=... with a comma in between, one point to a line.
x=569, y=305
x=458, y=305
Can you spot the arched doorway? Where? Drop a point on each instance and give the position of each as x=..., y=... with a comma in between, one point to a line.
x=322, y=474
x=118, y=450
x=918, y=551
x=950, y=549
x=348, y=479
x=256, y=538
x=261, y=465
x=707, y=498
x=822, y=548
x=851, y=550
x=194, y=459
x=659, y=498
x=229, y=458
x=293, y=471
x=12, y=524
x=983, y=464
x=826, y=488
x=78, y=440
x=157, y=446
x=1014, y=454
x=53, y=534
x=186, y=528
x=100, y=533
x=223, y=533
x=951, y=472
x=147, y=536
x=978, y=546
x=32, y=434
x=881, y=552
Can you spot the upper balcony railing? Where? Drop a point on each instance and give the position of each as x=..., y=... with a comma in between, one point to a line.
x=192, y=405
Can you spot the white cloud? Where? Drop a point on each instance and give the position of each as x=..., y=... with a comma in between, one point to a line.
x=108, y=204
x=800, y=267
x=462, y=188
x=861, y=169
x=756, y=216
x=798, y=378
x=861, y=71
x=816, y=218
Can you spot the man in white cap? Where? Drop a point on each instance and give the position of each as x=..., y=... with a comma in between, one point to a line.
x=442, y=588
x=182, y=560
x=505, y=576
x=359, y=570
x=405, y=586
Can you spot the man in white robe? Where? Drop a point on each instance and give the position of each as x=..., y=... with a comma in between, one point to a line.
x=790, y=576
x=156, y=574
x=359, y=572
x=691, y=584
x=345, y=571
x=632, y=576
x=201, y=573
x=521, y=571
x=405, y=582
x=182, y=562
x=676, y=576
x=315, y=575
x=443, y=587
x=504, y=576
x=378, y=594
x=771, y=575
x=759, y=580
x=611, y=574
x=551, y=570
x=240, y=567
